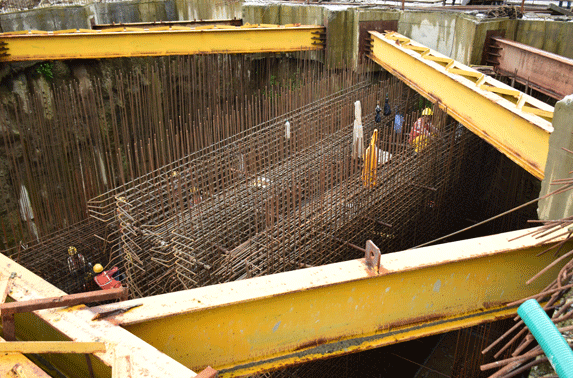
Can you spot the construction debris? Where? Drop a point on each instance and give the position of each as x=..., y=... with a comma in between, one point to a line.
x=556, y=298
x=510, y=11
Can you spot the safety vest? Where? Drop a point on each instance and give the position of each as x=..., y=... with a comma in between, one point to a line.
x=106, y=281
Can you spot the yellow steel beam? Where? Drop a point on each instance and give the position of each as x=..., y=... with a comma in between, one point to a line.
x=52, y=347
x=176, y=40
x=275, y=321
x=516, y=124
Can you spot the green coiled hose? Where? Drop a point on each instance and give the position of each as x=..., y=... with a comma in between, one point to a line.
x=549, y=338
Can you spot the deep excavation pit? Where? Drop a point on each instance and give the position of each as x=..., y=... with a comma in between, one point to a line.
x=185, y=173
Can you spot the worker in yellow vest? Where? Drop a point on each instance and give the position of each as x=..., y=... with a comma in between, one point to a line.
x=422, y=130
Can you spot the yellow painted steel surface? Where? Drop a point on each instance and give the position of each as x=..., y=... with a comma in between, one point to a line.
x=132, y=42
x=279, y=320
x=51, y=347
x=516, y=124
x=9, y=362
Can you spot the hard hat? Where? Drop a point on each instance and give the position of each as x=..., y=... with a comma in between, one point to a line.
x=72, y=251
x=98, y=268
x=427, y=112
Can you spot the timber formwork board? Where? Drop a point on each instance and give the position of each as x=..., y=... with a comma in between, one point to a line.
x=158, y=41
x=289, y=318
x=515, y=123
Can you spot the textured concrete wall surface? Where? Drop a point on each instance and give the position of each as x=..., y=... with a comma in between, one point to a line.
x=75, y=17
x=559, y=163
x=134, y=11
x=449, y=33
x=552, y=36
x=52, y=18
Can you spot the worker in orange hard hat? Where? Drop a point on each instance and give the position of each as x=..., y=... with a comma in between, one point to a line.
x=422, y=130
x=108, y=279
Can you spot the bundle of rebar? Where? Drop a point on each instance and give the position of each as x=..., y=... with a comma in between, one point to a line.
x=519, y=354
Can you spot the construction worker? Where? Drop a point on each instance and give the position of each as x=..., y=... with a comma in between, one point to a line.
x=398, y=121
x=107, y=279
x=421, y=131
x=77, y=268
x=387, y=110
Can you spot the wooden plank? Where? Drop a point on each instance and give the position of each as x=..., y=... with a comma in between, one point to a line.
x=557, y=9
x=26, y=347
x=65, y=300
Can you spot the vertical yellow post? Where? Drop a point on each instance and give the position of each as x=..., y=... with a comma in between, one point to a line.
x=370, y=162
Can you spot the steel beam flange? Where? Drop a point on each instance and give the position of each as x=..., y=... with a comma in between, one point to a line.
x=274, y=321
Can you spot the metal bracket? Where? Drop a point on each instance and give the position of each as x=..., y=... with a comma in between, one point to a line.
x=372, y=256
x=3, y=49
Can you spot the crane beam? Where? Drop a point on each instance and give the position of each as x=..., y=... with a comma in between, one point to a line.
x=515, y=123
x=271, y=322
x=157, y=41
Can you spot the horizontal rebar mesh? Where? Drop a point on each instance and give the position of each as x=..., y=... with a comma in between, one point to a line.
x=49, y=258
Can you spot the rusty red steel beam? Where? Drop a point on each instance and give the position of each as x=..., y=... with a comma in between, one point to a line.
x=7, y=310
x=545, y=72
x=189, y=23
x=62, y=301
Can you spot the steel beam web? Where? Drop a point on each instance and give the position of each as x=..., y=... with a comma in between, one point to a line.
x=158, y=41
x=288, y=318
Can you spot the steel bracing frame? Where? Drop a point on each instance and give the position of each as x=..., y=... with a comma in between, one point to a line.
x=158, y=41
x=517, y=124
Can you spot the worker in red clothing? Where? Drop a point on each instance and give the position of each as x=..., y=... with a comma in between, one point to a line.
x=107, y=279
x=422, y=130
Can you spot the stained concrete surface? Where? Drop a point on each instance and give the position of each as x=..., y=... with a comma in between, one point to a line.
x=559, y=163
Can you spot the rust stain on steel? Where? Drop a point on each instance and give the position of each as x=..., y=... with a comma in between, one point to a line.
x=546, y=72
x=488, y=305
x=312, y=343
x=343, y=346
x=418, y=320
